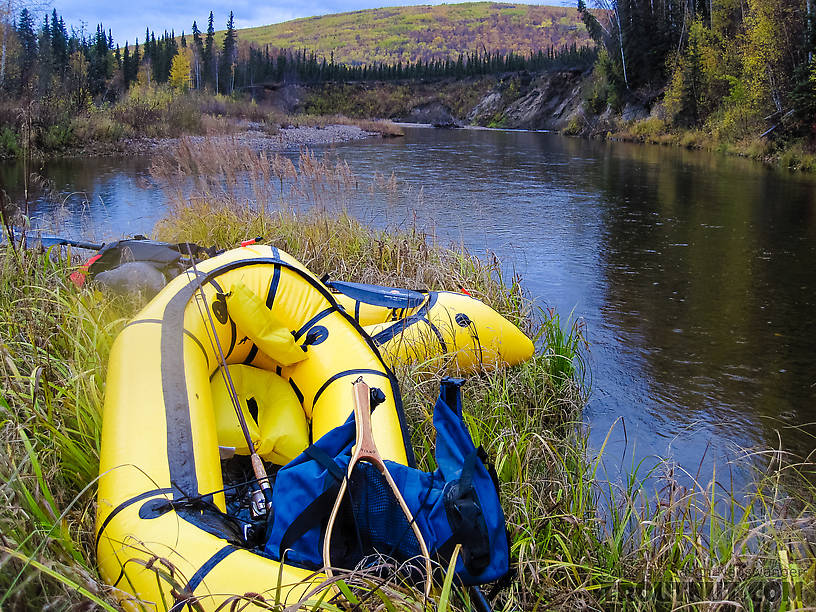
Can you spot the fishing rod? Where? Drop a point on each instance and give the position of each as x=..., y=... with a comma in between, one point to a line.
x=261, y=496
x=47, y=240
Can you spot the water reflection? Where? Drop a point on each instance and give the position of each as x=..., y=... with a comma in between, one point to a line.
x=693, y=271
x=708, y=264
x=97, y=199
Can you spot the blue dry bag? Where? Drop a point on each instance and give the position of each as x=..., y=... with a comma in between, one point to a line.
x=458, y=503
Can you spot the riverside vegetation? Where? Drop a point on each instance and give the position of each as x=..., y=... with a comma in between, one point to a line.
x=731, y=75
x=577, y=539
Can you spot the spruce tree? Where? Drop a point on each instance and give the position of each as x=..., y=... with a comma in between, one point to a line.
x=155, y=58
x=228, y=56
x=44, y=55
x=98, y=59
x=137, y=60
x=198, y=54
x=209, y=53
x=28, y=46
x=126, y=67
x=59, y=44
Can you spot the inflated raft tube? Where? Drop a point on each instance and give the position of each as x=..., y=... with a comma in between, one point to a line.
x=160, y=509
x=412, y=325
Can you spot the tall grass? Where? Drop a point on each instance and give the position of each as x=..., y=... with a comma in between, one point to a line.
x=54, y=349
x=578, y=540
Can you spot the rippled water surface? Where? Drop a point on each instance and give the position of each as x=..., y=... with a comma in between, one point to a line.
x=695, y=273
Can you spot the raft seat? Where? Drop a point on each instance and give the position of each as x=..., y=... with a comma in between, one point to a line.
x=272, y=410
x=273, y=414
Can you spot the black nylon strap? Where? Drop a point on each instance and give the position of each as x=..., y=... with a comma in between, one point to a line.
x=186, y=597
x=312, y=516
x=466, y=520
x=129, y=502
x=340, y=375
x=466, y=479
x=318, y=510
x=488, y=464
x=505, y=581
x=311, y=322
x=323, y=458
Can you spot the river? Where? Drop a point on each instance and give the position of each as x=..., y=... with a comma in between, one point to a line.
x=694, y=273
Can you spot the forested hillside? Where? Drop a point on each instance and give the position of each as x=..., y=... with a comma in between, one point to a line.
x=724, y=72
x=413, y=33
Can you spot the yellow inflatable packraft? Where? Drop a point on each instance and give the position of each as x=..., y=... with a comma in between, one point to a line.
x=293, y=348
x=161, y=536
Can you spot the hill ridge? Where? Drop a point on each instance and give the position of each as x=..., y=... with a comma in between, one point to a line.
x=424, y=32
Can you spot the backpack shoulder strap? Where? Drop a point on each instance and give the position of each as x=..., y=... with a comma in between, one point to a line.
x=318, y=510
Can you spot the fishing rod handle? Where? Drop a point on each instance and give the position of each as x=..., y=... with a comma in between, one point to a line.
x=261, y=497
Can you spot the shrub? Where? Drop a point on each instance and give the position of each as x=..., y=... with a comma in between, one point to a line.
x=9, y=147
x=56, y=137
x=649, y=129
x=798, y=157
x=573, y=127
x=98, y=127
x=604, y=87
x=158, y=112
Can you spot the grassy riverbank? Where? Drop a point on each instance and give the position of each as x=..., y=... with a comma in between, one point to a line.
x=795, y=154
x=145, y=115
x=578, y=541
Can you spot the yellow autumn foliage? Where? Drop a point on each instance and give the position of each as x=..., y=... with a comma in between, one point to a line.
x=180, y=70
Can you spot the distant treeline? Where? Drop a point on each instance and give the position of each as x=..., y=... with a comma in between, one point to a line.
x=300, y=66
x=48, y=58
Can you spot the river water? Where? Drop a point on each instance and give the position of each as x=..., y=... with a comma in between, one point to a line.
x=694, y=273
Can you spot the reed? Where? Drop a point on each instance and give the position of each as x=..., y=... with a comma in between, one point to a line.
x=579, y=539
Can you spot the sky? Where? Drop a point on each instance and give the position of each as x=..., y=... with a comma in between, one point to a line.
x=128, y=19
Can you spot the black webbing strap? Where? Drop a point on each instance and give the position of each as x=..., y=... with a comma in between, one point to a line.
x=503, y=582
x=311, y=517
x=323, y=458
x=466, y=478
x=467, y=522
x=198, y=251
x=319, y=509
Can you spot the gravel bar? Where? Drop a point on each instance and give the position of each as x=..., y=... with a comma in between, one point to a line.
x=286, y=138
